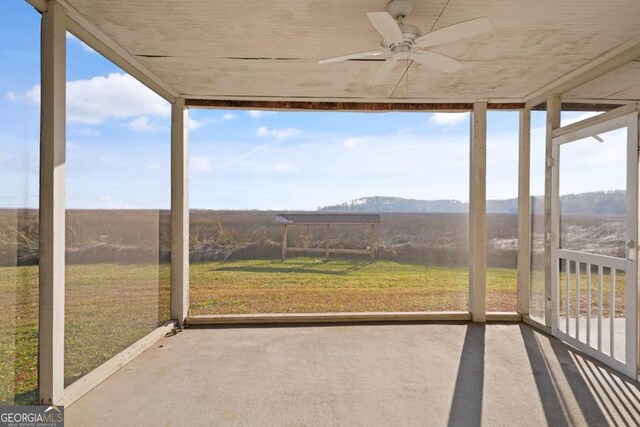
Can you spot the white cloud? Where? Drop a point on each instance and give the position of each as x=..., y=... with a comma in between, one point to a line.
x=31, y=96
x=577, y=117
x=154, y=166
x=199, y=164
x=229, y=116
x=353, y=142
x=195, y=124
x=278, y=134
x=285, y=167
x=71, y=145
x=142, y=124
x=86, y=131
x=93, y=101
x=85, y=47
x=448, y=119
x=257, y=114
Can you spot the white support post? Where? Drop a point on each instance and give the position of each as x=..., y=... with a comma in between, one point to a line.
x=372, y=241
x=52, y=205
x=478, y=214
x=326, y=242
x=554, y=108
x=637, y=247
x=633, y=237
x=179, y=211
x=284, y=243
x=524, y=212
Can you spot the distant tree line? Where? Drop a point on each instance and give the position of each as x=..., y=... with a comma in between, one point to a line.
x=597, y=202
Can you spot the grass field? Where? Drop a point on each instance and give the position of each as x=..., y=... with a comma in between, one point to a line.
x=303, y=285
x=110, y=306
x=117, y=292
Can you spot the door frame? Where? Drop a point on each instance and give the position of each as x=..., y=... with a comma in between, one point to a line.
x=623, y=117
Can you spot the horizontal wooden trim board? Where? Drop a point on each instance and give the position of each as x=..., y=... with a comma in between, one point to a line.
x=582, y=106
x=223, y=319
x=344, y=106
x=534, y=323
x=85, y=384
x=383, y=106
x=498, y=316
x=608, y=118
x=575, y=106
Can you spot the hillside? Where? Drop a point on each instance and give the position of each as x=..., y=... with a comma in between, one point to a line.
x=598, y=202
x=398, y=204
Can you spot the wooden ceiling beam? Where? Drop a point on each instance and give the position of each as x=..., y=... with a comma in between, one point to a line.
x=385, y=106
x=345, y=106
x=39, y=5
x=582, y=106
x=620, y=55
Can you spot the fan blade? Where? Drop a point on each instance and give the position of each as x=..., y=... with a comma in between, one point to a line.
x=386, y=26
x=455, y=32
x=352, y=56
x=383, y=71
x=437, y=61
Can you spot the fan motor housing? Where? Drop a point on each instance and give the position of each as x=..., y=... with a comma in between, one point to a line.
x=409, y=32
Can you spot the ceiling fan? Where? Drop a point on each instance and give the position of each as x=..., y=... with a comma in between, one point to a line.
x=404, y=41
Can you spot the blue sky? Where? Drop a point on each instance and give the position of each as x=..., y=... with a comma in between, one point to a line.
x=118, y=143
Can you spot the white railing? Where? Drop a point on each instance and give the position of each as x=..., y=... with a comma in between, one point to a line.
x=578, y=265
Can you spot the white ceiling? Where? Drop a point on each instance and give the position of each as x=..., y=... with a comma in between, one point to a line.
x=261, y=48
x=622, y=83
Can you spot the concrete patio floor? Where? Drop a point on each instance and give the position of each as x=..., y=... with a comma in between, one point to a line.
x=370, y=375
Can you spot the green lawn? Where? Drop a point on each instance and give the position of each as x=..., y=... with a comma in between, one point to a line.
x=619, y=291
x=110, y=306
x=304, y=285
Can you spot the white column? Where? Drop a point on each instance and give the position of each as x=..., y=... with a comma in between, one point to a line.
x=52, y=204
x=554, y=108
x=478, y=214
x=179, y=211
x=524, y=212
x=631, y=292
